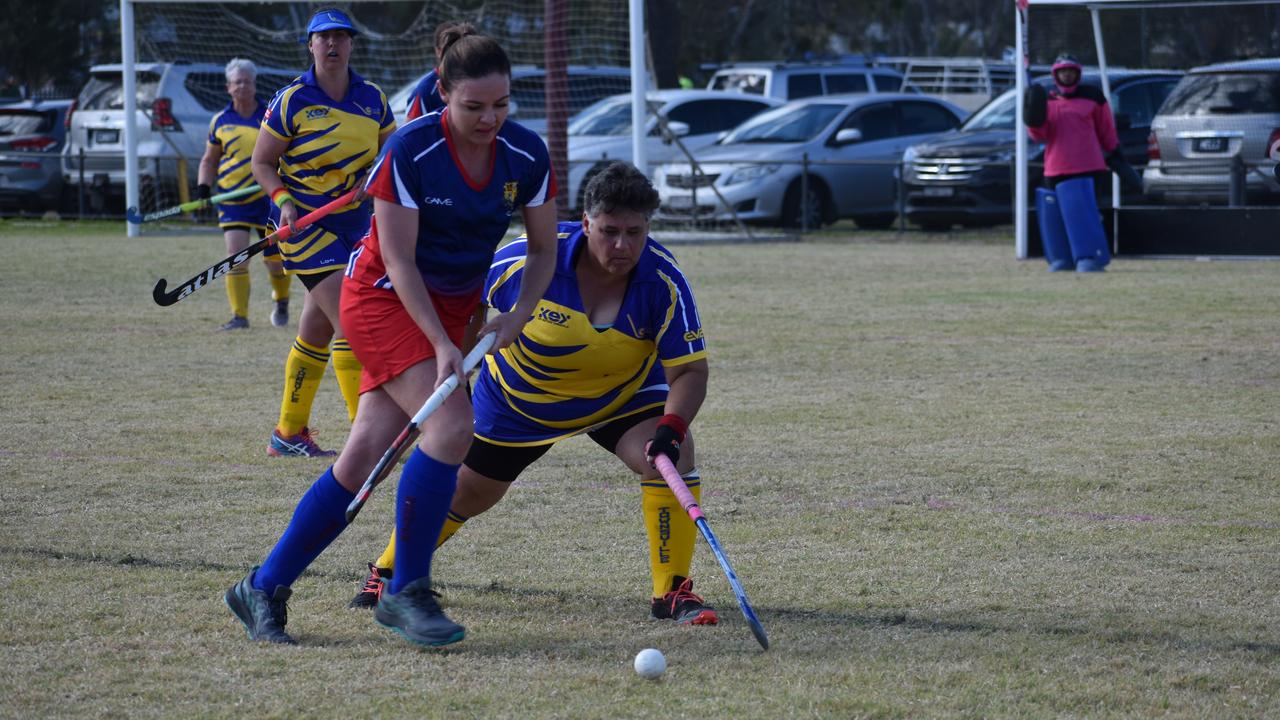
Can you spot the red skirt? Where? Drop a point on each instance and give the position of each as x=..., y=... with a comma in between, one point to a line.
x=384, y=336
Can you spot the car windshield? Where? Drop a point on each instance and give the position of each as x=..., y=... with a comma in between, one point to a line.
x=786, y=124
x=105, y=91
x=1224, y=94
x=999, y=114
x=25, y=122
x=607, y=117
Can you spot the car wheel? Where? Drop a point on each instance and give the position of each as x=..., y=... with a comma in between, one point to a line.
x=875, y=221
x=811, y=214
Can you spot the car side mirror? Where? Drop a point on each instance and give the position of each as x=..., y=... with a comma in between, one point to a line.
x=1124, y=121
x=674, y=129
x=848, y=136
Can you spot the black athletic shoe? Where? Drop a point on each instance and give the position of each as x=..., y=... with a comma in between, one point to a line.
x=264, y=616
x=371, y=592
x=414, y=613
x=235, y=323
x=682, y=605
x=280, y=314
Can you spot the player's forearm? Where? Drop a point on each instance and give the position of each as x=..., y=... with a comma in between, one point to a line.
x=539, y=266
x=688, y=389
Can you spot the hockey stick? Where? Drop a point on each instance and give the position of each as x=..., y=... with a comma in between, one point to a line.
x=224, y=266
x=676, y=483
x=132, y=213
x=410, y=431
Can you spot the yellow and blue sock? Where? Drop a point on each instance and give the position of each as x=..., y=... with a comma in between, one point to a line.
x=671, y=532
x=238, y=291
x=302, y=373
x=422, y=502
x=320, y=517
x=348, y=369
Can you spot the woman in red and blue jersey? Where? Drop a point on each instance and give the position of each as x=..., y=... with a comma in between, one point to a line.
x=426, y=94
x=444, y=192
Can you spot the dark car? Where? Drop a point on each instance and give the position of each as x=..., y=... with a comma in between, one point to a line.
x=32, y=134
x=966, y=176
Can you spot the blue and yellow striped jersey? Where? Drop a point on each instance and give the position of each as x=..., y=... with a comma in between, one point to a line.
x=562, y=375
x=331, y=144
x=235, y=135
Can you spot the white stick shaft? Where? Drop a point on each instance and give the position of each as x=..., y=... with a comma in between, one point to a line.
x=451, y=383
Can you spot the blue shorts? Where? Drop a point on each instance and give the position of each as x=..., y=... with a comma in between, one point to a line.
x=252, y=215
x=496, y=422
x=324, y=246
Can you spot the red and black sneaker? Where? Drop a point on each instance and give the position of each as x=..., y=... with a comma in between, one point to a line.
x=371, y=592
x=682, y=605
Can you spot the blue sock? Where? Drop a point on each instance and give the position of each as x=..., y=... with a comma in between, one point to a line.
x=422, y=503
x=320, y=517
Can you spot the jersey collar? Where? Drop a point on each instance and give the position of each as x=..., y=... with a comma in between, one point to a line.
x=309, y=78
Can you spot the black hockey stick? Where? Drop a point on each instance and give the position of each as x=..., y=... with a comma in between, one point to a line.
x=225, y=265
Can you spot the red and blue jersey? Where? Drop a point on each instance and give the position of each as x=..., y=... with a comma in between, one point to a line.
x=460, y=222
x=426, y=97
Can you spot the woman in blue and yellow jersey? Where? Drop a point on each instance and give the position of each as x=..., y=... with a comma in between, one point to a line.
x=226, y=166
x=615, y=350
x=320, y=135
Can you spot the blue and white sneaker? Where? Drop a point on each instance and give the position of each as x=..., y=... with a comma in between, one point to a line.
x=301, y=445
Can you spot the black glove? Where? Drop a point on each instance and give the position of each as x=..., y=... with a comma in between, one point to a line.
x=1129, y=178
x=667, y=438
x=1035, y=109
x=203, y=192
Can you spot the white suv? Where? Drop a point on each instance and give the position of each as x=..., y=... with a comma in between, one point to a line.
x=175, y=103
x=792, y=81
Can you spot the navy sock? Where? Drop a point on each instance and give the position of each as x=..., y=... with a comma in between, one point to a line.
x=320, y=517
x=422, y=502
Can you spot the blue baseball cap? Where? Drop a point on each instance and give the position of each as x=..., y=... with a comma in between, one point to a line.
x=330, y=20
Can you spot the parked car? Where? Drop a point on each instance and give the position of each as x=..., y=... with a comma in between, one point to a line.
x=966, y=176
x=1215, y=114
x=842, y=149
x=175, y=103
x=587, y=84
x=794, y=81
x=602, y=132
x=32, y=134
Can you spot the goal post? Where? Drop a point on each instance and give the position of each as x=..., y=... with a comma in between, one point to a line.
x=545, y=39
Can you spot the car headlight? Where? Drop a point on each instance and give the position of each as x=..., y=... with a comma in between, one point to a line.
x=1002, y=157
x=750, y=172
x=908, y=155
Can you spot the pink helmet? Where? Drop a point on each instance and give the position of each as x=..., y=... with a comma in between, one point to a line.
x=1066, y=61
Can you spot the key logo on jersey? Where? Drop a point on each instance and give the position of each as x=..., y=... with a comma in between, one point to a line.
x=693, y=335
x=509, y=193
x=555, y=317
x=318, y=112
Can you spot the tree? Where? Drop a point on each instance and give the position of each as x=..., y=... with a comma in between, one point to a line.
x=53, y=46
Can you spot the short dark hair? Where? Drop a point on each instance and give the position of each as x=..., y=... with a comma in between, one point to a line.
x=468, y=55
x=619, y=186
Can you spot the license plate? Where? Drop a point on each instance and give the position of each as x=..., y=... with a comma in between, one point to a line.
x=939, y=191
x=680, y=202
x=106, y=137
x=1210, y=145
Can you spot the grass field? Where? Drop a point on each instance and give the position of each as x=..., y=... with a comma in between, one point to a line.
x=953, y=484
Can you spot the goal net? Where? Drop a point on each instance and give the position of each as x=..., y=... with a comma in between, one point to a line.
x=394, y=49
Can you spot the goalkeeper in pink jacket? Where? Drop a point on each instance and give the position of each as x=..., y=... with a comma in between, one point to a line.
x=1075, y=123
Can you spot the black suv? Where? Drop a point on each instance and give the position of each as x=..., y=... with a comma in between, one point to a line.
x=966, y=176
